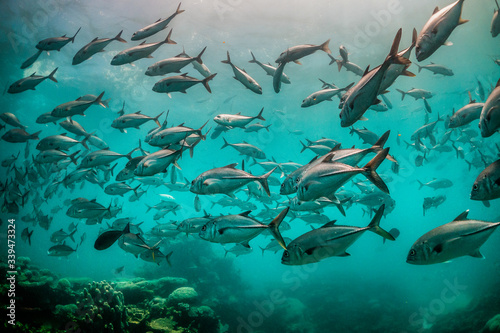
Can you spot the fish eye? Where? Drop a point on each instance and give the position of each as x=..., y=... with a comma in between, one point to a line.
x=204, y=228
x=286, y=254
x=413, y=252
x=475, y=187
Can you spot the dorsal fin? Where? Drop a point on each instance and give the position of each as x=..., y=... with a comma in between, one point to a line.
x=93, y=200
x=158, y=20
x=366, y=70
x=245, y=213
x=184, y=74
x=329, y=224
x=63, y=134
x=231, y=166
x=498, y=83
x=462, y=216
x=143, y=43
x=435, y=10
x=138, y=112
x=470, y=99
x=313, y=159
x=238, y=113
x=337, y=147
x=328, y=158
x=95, y=39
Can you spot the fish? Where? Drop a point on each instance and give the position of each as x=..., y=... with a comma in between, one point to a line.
x=349, y=66
x=245, y=79
x=157, y=26
x=277, y=77
x=416, y=93
x=460, y=237
x=17, y=135
x=487, y=184
x=46, y=118
x=75, y=107
x=133, y=120
x=247, y=149
x=201, y=68
x=95, y=46
x=174, y=135
x=61, y=250
x=54, y=156
x=140, y=51
x=31, y=60
x=270, y=70
x=120, y=189
x=109, y=237
x=11, y=119
x=60, y=235
x=436, y=69
x=87, y=209
x=427, y=106
x=325, y=178
x=26, y=235
x=297, y=52
x=173, y=65
x=102, y=157
x=364, y=134
x=179, y=83
x=489, y=120
x=438, y=28
x=318, y=149
x=153, y=254
x=241, y=229
x=157, y=162
x=237, y=120
x=238, y=250
x=274, y=246
x=59, y=142
x=55, y=43
x=30, y=82
x=328, y=241
x=361, y=96
x=193, y=225
x=323, y=95
x=226, y=180
x=495, y=22
x=435, y=202
x=436, y=183
x=426, y=131
x=119, y=270
x=73, y=126
x=256, y=127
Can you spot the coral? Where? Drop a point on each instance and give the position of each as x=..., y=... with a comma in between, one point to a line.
x=138, y=290
x=161, y=325
x=493, y=325
x=183, y=295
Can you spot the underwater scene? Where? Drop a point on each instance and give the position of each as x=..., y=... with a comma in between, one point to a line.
x=250, y=166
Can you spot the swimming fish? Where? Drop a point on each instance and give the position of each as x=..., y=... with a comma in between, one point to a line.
x=487, y=184
x=143, y=50
x=489, y=120
x=242, y=76
x=30, y=82
x=55, y=43
x=157, y=26
x=95, y=46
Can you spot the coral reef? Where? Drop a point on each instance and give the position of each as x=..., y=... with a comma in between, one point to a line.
x=493, y=325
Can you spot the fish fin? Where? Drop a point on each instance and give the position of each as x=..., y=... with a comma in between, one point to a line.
x=477, y=254
x=374, y=224
x=408, y=73
x=435, y=10
x=231, y=166
x=263, y=181
x=274, y=227
x=205, y=82
x=51, y=75
x=329, y=224
x=371, y=167
x=297, y=62
x=462, y=21
x=447, y=43
x=345, y=254
x=462, y=216
x=245, y=244
x=149, y=56
x=168, y=40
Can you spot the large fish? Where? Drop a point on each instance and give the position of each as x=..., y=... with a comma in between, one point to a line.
x=55, y=43
x=226, y=180
x=328, y=241
x=102, y=157
x=30, y=82
x=61, y=250
x=359, y=98
x=300, y=51
x=17, y=135
x=157, y=162
x=75, y=107
x=143, y=50
x=157, y=26
x=487, y=184
x=325, y=178
x=59, y=142
x=95, y=46
x=179, y=83
x=174, y=135
x=438, y=28
x=11, y=119
x=495, y=21
x=465, y=115
x=243, y=77
x=133, y=120
x=240, y=228
x=109, y=237
x=489, y=120
x=461, y=237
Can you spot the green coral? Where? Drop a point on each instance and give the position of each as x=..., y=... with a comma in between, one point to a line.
x=493, y=325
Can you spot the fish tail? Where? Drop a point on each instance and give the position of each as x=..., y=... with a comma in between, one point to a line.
x=259, y=116
x=155, y=119
x=198, y=58
x=34, y=136
x=332, y=61
x=168, y=40
x=71, y=236
x=225, y=143
x=393, y=57
x=51, y=75
x=419, y=67
x=262, y=249
x=136, y=188
x=129, y=155
x=167, y=257
x=374, y=225
x=339, y=64
x=98, y=100
x=228, y=61
x=421, y=184
x=402, y=94
x=274, y=227
x=179, y=10
x=304, y=147
x=73, y=157
x=263, y=181
x=29, y=236
x=73, y=38
x=371, y=173
x=119, y=37
x=414, y=37
x=253, y=61
x=347, y=87
x=324, y=47
x=267, y=127
x=205, y=82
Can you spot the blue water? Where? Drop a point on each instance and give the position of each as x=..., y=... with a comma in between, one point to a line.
x=375, y=283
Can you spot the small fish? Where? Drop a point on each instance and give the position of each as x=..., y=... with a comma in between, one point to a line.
x=139, y=52
x=11, y=119
x=489, y=120
x=26, y=235
x=237, y=120
x=245, y=79
x=495, y=22
x=95, y=46
x=172, y=65
x=133, y=120
x=416, y=93
x=157, y=162
x=30, y=82
x=75, y=107
x=17, y=135
x=197, y=203
x=436, y=69
x=119, y=189
x=435, y=202
x=247, y=149
x=438, y=28
x=297, y=52
x=323, y=95
x=461, y=237
x=55, y=43
x=436, y=183
x=156, y=27
x=31, y=60
x=238, y=250
x=180, y=83
x=118, y=270
x=60, y=235
x=270, y=70
x=62, y=250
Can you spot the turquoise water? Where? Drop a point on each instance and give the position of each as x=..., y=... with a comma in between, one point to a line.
x=374, y=289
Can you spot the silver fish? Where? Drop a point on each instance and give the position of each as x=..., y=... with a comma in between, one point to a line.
x=243, y=77
x=55, y=43
x=270, y=70
x=237, y=120
x=172, y=65
x=95, y=46
x=180, y=83
x=30, y=82
x=300, y=51
x=489, y=120
x=157, y=26
x=436, y=69
x=487, y=184
x=143, y=50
